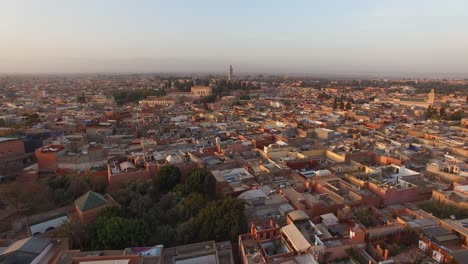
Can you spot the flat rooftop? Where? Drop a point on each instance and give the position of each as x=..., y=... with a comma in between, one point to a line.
x=294, y=235
x=207, y=252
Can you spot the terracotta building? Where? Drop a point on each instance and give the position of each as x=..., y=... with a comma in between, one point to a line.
x=88, y=206
x=47, y=157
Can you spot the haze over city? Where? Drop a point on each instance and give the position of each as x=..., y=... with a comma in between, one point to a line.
x=233, y=132
x=406, y=38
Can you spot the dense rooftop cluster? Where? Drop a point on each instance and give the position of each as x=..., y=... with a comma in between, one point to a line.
x=163, y=169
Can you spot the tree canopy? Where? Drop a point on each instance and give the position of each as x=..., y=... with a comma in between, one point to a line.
x=220, y=220
x=118, y=233
x=157, y=212
x=198, y=180
x=129, y=96
x=167, y=178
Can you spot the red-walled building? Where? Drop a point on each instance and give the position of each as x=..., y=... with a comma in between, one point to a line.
x=12, y=157
x=47, y=158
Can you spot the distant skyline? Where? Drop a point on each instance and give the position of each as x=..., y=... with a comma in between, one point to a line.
x=378, y=38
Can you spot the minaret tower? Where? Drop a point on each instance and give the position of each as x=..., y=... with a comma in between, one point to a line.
x=230, y=73
x=431, y=97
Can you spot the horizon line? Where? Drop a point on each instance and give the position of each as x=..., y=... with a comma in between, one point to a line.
x=387, y=75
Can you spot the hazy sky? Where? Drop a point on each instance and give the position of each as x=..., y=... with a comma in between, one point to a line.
x=291, y=36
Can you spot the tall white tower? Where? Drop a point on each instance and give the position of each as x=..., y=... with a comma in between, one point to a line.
x=230, y=73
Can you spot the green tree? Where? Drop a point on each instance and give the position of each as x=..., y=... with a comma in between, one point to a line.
x=186, y=232
x=111, y=211
x=167, y=178
x=191, y=205
x=198, y=180
x=136, y=198
x=127, y=96
x=58, y=186
x=220, y=220
x=139, y=204
x=118, y=233
x=208, y=99
x=61, y=197
x=166, y=235
x=58, y=182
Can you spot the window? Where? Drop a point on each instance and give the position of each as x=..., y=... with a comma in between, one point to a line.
x=422, y=245
x=437, y=256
